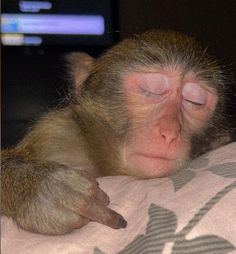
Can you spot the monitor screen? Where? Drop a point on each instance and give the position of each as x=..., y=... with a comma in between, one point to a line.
x=61, y=22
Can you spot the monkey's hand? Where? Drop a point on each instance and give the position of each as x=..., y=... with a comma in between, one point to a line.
x=54, y=199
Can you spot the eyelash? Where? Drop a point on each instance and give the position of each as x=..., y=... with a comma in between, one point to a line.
x=194, y=103
x=148, y=93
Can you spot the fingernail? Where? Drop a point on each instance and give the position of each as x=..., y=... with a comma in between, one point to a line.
x=122, y=223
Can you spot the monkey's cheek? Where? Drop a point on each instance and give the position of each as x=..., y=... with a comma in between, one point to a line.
x=145, y=167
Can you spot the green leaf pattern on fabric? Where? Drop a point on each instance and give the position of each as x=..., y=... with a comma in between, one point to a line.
x=182, y=178
x=161, y=229
x=162, y=223
x=225, y=169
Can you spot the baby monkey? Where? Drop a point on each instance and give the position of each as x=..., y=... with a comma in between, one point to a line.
x=145, y=108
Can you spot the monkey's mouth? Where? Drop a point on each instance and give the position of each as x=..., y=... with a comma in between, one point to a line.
x=148, y=165
x=157, y=157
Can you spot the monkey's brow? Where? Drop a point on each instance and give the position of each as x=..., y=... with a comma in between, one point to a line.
x=158, y=69
x=152, y=69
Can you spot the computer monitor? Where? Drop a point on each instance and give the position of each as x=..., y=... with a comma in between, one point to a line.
x=35, y=37
x=60, y=22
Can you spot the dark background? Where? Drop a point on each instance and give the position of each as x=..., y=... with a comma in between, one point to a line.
x=34, y=79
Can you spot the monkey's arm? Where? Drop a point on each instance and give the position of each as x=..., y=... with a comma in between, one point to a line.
x=45, y=196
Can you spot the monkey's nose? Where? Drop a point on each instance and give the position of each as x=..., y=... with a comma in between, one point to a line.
x=169, y=131
x=169, y=136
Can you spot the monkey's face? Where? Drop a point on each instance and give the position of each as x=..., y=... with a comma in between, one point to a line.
x=165, y=109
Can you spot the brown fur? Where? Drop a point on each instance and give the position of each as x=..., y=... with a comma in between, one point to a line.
x=46, y=171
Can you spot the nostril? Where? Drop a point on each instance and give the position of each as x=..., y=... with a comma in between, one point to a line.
x=163, y=135
x=167, y=130
x=169, y=134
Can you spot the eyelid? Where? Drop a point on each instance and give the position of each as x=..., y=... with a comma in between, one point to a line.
x=157, y=85
x=192, y=105
x=195, y=102
x=194, y=93
x=148, y=93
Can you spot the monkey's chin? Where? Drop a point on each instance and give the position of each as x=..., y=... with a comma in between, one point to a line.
x=152, y=167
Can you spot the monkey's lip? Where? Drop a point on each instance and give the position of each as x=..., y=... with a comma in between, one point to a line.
x=160, y=157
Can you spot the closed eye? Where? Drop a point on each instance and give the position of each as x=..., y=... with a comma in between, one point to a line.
x=194, y=96
x=195, y=103
x=148, y=93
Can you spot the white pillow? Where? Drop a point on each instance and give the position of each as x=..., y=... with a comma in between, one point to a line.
x=193, y=211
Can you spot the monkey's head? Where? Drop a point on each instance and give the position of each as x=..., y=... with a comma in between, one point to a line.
x=162, y=96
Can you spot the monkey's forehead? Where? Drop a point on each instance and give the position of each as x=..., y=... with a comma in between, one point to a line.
x=157, y=49
x=163, y=49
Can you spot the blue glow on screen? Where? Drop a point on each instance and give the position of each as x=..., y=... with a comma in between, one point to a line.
x=52, y=24
x=34, y=6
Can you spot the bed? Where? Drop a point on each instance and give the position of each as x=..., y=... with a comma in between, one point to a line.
x=192, y=211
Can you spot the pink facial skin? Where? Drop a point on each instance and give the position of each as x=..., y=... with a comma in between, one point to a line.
x=194, y=96
x=154, y=85
x=167, y=109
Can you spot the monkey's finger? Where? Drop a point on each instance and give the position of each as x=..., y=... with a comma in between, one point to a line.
x=104, y=215
x=92, y=209
x=102, y=198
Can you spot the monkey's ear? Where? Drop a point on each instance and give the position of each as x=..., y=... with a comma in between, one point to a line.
x=80, y=65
